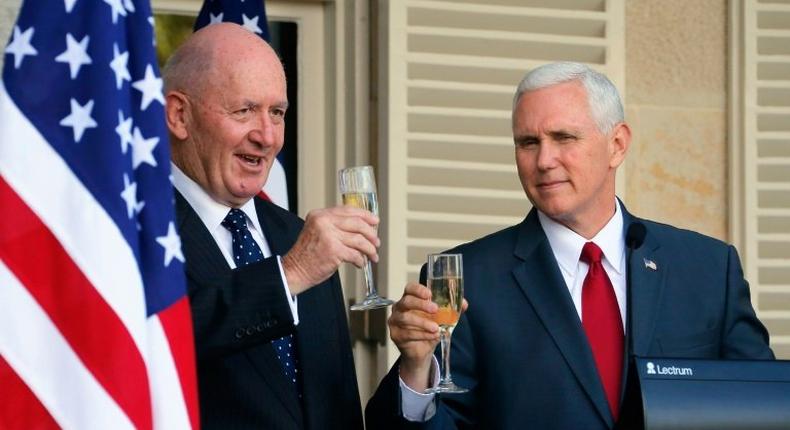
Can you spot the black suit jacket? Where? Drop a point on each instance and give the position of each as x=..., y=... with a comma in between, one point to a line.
x=237, y=313
x=521, y=348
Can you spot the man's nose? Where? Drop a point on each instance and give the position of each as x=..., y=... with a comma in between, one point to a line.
x=264, y=130
x=547, y=156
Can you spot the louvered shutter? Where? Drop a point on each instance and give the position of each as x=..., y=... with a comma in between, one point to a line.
x=766, y=163
x=449, y=71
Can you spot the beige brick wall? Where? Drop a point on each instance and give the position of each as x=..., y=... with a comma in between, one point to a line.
x=676, y=102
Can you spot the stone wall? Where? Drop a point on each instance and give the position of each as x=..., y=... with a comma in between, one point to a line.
x=676, y=103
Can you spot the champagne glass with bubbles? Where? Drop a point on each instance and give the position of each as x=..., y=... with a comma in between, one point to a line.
x=446, y=281
x=358, y=188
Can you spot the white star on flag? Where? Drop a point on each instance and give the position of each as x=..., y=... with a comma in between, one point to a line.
x=129, y=195
x=172, y=245
x=119, y=66
x=70, y=5
x=79, y=119
x=251, y=24
x=124, y=131
x=215, y=19
x=151, y=87
x=117, y=9
x=76, y=54
x=20, y=45
x=142, y=149
x=66, y=101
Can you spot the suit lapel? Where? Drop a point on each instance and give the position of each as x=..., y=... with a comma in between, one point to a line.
x=274, y=229
x=540, y=279
x=205, y=263
x=648, y=270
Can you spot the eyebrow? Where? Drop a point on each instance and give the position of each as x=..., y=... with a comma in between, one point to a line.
x=249, y=102
x=525, y=137
x=563, y=132
x=554, y=134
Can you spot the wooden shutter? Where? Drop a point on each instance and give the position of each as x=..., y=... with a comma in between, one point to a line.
x=763, y=155
x=448, y=72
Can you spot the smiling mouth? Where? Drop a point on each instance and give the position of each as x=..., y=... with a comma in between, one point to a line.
x=250, y=160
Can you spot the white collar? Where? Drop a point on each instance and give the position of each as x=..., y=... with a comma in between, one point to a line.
x=209, y=210
x=567, y=245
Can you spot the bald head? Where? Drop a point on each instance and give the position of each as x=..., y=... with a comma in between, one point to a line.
x=211, y=52
x=225, y=104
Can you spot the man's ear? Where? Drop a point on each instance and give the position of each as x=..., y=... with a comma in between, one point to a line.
x=176, y=114
x=619, y=142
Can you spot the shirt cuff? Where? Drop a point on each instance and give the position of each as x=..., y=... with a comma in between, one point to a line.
x=419, y=407
x=292, y=300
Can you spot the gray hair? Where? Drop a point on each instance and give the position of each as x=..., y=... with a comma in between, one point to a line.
x=606, y=108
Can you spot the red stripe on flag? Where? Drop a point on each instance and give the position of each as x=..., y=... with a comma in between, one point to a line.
x=262, y=194
x=82, y=316
x=177, y=324
x=20, y=408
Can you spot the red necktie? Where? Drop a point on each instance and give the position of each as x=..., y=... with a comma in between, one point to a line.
x=603, y=325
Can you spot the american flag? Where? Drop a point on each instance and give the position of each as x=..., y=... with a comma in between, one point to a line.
x=95, y=327
x=252, y=16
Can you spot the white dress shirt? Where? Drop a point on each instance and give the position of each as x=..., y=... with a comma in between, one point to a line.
x=566, y=245
x=213, y=213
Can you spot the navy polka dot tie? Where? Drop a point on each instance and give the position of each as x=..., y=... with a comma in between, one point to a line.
x=246, y=251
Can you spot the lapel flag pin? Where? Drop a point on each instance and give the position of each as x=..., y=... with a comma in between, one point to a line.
x=650, y=264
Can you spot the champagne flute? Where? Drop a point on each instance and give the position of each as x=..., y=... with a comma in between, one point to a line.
x=358, y=188
x=446, y=281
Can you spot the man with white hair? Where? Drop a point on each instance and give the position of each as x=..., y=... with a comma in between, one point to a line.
x=544, y=342
x=271, y=338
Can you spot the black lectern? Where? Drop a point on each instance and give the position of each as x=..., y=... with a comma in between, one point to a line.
x=680, y=394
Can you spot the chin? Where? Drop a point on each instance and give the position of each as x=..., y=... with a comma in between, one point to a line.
x=241, y=186
x=554, y=211
x=245, y=194
x=238, y=195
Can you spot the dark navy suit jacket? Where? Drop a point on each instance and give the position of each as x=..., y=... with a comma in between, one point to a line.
x=237, y=313
x=521, y=348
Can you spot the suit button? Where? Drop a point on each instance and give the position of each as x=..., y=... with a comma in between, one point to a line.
x=267, y=323
x=250, y=331
x=259, y=328
x=239, y=334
